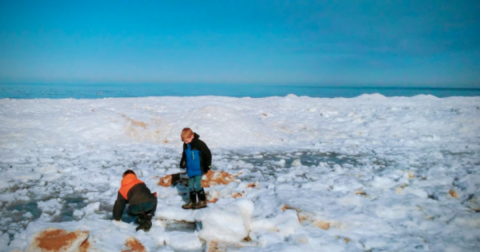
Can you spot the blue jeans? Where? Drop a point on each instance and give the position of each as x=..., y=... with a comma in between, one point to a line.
x=146, y=207
x=195, y=183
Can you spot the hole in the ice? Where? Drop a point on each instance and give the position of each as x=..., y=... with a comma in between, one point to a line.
x=105, y=207
x=70, y=204
x=182, y=226
x=18, y=215
x=433, y=196
x=24, y=207
x=470, y=196
x=271, y=160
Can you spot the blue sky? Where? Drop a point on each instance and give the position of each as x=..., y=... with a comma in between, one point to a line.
x=306, y=42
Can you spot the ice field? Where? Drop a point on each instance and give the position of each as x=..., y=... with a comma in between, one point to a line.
x=315, y=174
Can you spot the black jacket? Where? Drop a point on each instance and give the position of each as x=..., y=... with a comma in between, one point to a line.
x=205, y=154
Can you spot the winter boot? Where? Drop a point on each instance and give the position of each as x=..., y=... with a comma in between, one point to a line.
x=202, y=199
x=148, y=222
x=193, y=201
x=144, y=221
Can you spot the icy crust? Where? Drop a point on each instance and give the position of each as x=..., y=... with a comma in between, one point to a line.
x=402, y=187
x=297, y=122
x=298, y=200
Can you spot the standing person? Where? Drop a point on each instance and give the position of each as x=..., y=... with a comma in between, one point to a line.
x=196, y=158
x=142, y=202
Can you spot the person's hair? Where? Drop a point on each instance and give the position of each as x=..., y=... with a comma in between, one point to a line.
x=128, y=172
x=186, y=132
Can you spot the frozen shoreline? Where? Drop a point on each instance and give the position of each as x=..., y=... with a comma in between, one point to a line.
x=379, y=170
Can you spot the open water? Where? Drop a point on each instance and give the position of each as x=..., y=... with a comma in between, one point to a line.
x=97, y=91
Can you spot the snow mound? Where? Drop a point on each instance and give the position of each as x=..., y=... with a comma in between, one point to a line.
x=227, y=223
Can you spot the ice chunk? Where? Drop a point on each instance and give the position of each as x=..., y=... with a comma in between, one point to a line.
x=121, y=224
x=91, y=208
x=175, y=213
x=78, y=213
x=4, y=239
x=394, y=212
x=265, y=239
x=296, y=162
x=50, y=206
x=416, y=191
x=285, y=223
x=383, y=183
x=4, y=184
x=7, y=197
x=228, y=223
x=184, y=241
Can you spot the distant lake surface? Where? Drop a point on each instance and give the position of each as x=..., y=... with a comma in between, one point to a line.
x=97, y=91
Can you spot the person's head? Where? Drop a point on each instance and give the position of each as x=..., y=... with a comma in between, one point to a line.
x=187, y=135
x=128, y=172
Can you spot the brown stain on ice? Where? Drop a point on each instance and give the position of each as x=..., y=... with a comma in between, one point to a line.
x=411, y=175
x=453, y=193
x=213, y=247
x=305, y=217
x=139, y=130
x=56, y=240
x=237, y=195
x=85, y=247
x=135, y=123
x=214, y=200
x=300, y=215
x=285, y=207
x=165, y=181
x=212, y=178
x=360, y=192
x=322, y=224
x=209, y=179
x=399, y=190
x=134, y=245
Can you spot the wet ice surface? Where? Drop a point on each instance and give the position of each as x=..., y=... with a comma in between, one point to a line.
x=389, y=200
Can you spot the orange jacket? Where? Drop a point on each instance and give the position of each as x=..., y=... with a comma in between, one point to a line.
x=127, y=183
x=138, y=192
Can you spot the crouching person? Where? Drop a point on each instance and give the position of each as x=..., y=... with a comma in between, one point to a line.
x=142, y=203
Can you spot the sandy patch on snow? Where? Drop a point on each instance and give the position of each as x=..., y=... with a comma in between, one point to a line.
x=59, y=240
x=134, y=245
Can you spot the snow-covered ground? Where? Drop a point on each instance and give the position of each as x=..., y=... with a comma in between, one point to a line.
x=365, y=173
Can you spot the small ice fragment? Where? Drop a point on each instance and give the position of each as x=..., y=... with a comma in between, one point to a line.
x=184, y=241
x=77, y=213
x=296, y=162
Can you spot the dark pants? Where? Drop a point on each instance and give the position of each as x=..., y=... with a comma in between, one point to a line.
x=143, y=208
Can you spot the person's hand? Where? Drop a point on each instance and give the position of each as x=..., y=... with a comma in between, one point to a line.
x=120, y=224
